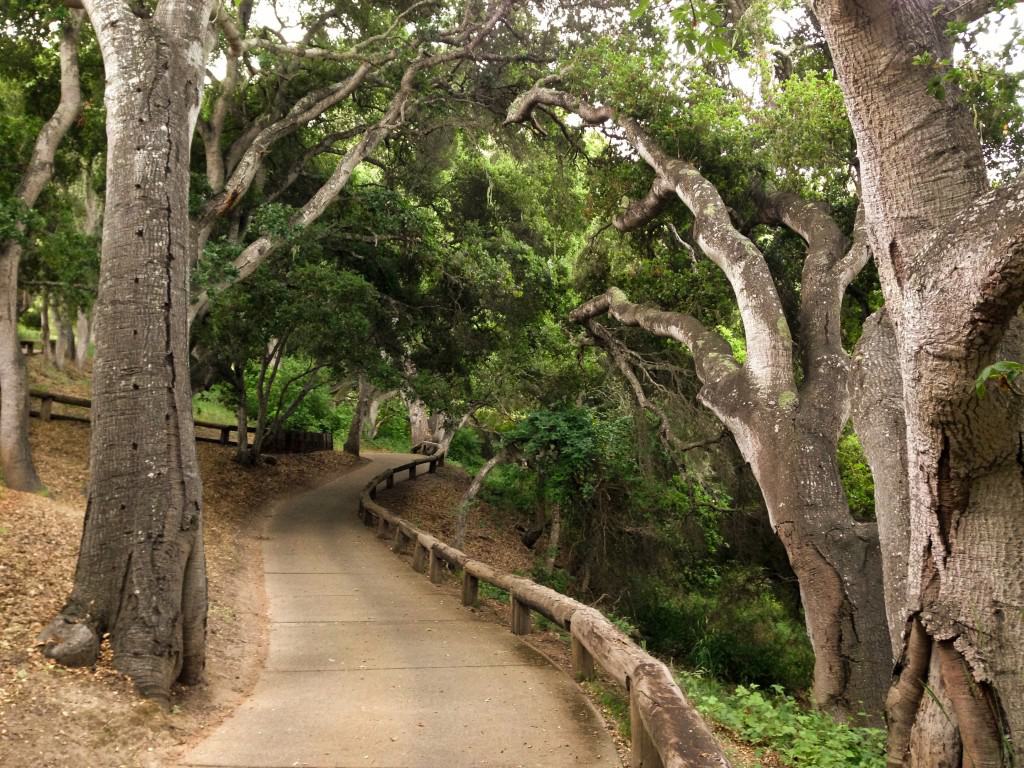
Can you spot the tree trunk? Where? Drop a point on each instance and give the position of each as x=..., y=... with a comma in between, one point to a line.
x=836, y=559
x=462, y=512
x=141, y=574
x=554, y=538
x=243, y=454
x=355, y=429
x=15, y=454
x=877, y=410
x=65, y=347
x=44, y=328
x=81, y=340
x=19, y=472
x=949, y=254
x=371, y=422
x=419, y=422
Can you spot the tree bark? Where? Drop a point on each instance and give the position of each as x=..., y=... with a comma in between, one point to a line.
x=462, y=511
x=19, y=472
x=141, y=574
x=950, y=255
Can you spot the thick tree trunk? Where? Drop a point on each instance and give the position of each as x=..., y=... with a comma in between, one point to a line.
x=836, y=559
x=141, y=574
x=949, y=254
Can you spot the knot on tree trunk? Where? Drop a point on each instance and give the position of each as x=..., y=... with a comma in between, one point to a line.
x=71, y=643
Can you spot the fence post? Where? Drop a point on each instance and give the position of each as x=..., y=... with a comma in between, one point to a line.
x=470, y=588
x=521, y=624
x=382, y=527
x=436, y=566
x=432, y=468
x=401, y=540
x=225, y=433
x=419, y=557
x=45, y=408
x=644, y=753
x=412, y=472
x=391, y=479
x=582, y=661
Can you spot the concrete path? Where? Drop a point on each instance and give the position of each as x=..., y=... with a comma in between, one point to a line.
x=371, y=665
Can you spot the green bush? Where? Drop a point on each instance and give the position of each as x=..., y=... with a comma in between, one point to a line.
x=732, y=625
x=802, y=738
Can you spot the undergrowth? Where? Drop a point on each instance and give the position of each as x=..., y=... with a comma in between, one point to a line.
x=802, y=738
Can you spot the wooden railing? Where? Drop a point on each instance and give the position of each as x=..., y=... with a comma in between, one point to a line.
x=288, y=442
x=667, y=732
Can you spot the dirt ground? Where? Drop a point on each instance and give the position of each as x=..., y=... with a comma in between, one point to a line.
x=429, y=503
x=55, y=717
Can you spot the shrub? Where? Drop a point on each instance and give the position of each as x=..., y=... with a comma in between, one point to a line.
x=732, y=625
x=466, y=449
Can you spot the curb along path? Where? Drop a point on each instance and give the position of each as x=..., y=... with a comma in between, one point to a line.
x=370, y=665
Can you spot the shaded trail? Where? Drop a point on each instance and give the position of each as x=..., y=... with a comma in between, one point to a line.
x=370, y=665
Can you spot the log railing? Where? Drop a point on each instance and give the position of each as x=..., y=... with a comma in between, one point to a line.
x=287, y=442
x=667, y=732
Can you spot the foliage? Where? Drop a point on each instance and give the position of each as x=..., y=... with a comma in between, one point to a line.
x=1004, y=373
x=726, y=621
x=466, y=449
x=856, y=476
x=802, y=738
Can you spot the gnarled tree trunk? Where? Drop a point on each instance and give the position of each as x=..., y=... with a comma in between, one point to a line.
x=141, y=574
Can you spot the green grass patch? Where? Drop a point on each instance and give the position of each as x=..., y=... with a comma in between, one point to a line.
x=206, y=407
x=614, y=702
x=492, y=592
x=801, y=737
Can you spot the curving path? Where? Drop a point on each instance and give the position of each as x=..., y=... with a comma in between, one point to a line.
x=371, y=665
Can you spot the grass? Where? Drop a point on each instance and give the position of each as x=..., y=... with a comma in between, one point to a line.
x=206, y=408
x=493, y=592
x=614, y=702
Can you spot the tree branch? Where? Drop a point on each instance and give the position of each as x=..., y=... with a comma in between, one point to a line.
x=769, y=342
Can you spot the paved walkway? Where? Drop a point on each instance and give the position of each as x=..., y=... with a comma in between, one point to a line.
x=371, y=665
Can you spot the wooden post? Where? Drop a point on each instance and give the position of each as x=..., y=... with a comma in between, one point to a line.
x=470, y=588
x=45, y=407
x=225, y=433
x=432, y=468
x=521, y=623
x=436, y=568
x=391, y=480
x=644, y=753
x=412, y=472
x=440, y=460
x=582, y=661
x=373, y=493
x=419, y=557
x=382, y=527
x=401, y=540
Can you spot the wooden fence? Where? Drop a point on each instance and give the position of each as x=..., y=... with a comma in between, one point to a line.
x=287, y=442
x=667, y=732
